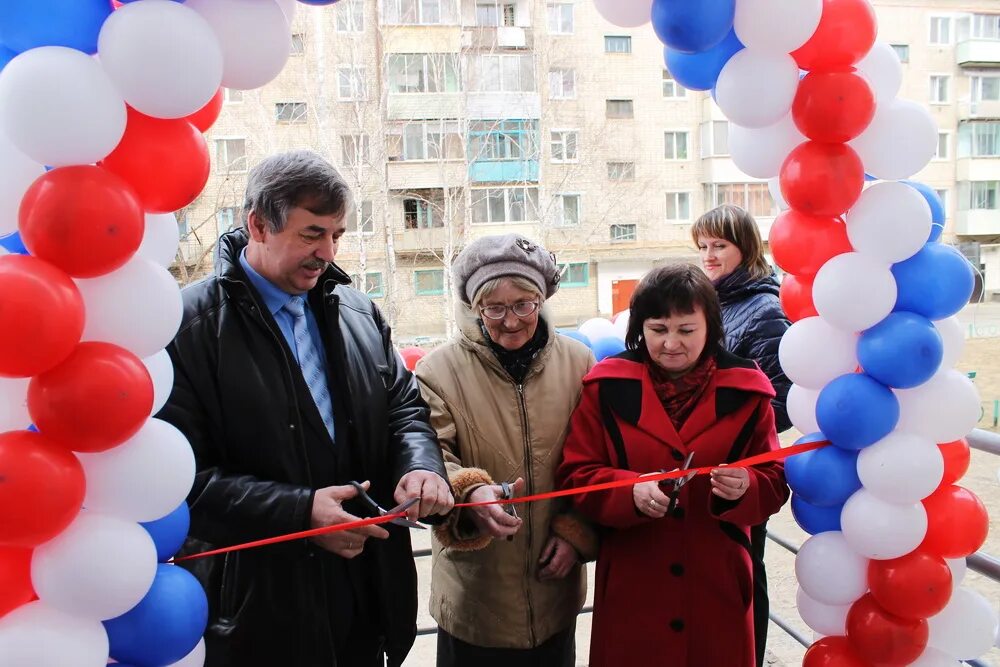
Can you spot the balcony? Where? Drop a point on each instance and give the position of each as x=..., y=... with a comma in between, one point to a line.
x=504, y=171
x=722, y=169
x=491, y=38
x=501, y=105
x=417, y=106
x=978, y=53
x=977, y=169
x=419, y=241
x=979, y=110
x=422, y=39
x=420, y=174
x=978, y=223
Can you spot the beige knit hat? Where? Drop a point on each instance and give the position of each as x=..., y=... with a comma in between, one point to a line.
x=492, y=257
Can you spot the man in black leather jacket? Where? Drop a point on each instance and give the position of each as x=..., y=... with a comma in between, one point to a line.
x=275, y=451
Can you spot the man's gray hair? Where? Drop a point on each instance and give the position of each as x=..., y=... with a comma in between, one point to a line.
x=297, y=178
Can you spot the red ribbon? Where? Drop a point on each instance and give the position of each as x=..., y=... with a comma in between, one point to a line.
x=767, y=457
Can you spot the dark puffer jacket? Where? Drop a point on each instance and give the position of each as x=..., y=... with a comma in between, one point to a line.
x=754, y=324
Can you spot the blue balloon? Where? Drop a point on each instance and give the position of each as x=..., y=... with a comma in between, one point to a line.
x=6, y=55
x=855, y=411
x=607, y=347
x=169, y=532
x=700, y=71
x=815, y=520
x=823, y=477
x=576, y=335
x=902, y=351
x=166, y=625
x=12, y=243
x=72, y=23
x=938, y=214
x=936, y=282
x=690, y=27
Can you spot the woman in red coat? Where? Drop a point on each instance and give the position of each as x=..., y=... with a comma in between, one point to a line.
x=674, y=590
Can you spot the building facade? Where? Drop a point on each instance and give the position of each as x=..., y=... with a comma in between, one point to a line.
x=453, y=119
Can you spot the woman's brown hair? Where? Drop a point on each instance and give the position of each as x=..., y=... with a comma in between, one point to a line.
x=735, y=225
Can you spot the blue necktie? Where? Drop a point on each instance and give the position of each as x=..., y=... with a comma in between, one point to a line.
x=310, y=361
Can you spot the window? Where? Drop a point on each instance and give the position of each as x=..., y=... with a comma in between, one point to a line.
x=367, y=225
x=675, y=145
x=502, y=73
x=418, y=12
x=425, y=140
x=978, y=195
x=754, y=198
x=225, y=219
x=902, y=52
x=621, y=233
x=351, y=83
x=984, y=88
x=492, y=205
x=429, y=282
x=350, y=15
x=943, y=152
x=567, y=210
x=678, y=206
x=494, y=13
x=419, y=214
x=562, y=83
x=423, y=73
x=940, y=30
x=182, y=227
x=943, y=194
x=620, y=109
x=617, y=44
x=979, y=139
x=290, y=112
x=574, y=274
x=986, y=26
x=564, y=145
x=939, y=88
x=560, y=18
x=355, y=149
x=715, y=138
x=672, y=89
x=231, y=154
x=503, y=140
x=371, y=284
x=621, y=171
x=232, y=96
x=298, y=44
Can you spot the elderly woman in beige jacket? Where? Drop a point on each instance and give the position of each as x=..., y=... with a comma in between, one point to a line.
x=506, y=587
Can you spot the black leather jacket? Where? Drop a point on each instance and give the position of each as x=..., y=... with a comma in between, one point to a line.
x=262, y=450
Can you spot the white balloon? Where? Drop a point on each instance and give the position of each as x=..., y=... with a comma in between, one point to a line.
x=597, y=328
x=159, y=241
x=931, y=657
x=196, y=658
x=14, y=404
x=137, y=307
x=880, y=530
x=958, y=567
x=812, y=353
x=99, y=567
x=621, y=324
x=255, y=39
x=161, y=370
x=801, y=406
x=966, y=628
x=625, y=13
x=774, y=186
x=163, y=57
x=884, y=72
x=41, y=636
x=60, y=108
x=823, y=618
x=756, y=88
x=901, y=468
x=953, y=338
x=760, y=152
x=890, y=222
x=830, y=571
x=17, y=173
x=944, y=409
x=900, y=141
x=144, y=479
x=854, y=292
x=778, y=26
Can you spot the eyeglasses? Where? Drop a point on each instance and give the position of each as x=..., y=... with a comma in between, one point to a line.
x=498, y=312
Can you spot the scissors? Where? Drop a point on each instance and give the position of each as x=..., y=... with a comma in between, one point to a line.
x=506, y=493
x=380, y=511
x=675, y=485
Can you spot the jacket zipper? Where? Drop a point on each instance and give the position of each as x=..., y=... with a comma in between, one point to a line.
x=528, y=468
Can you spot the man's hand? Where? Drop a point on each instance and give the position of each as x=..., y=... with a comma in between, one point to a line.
x=432, y=489
x=328, y=510
x=558, y=558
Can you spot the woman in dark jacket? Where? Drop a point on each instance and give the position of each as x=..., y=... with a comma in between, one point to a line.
x=732, y=255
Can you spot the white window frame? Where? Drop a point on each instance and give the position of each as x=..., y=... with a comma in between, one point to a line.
x=627, y=43
x=428, y=71
x=628, y=174
x=557, y=22
x=357, y=82
x=676, y=194
x=561, y=208
x=350, y=16
x=369, y=222
x=687, y=145
x=441, y=128
x=229, y=214
x=227, y=96
x=294, y=119
x=392, y=13
x=362, y=149
x=360, y=283
x=224, y=165
x=500, y=64
x=976, y=87
x=507, y=197
x=679, y=91
x=607, y=109
x=935, y=89
x=947, y=146
x=299, y=37
x=980, y=18
x=904, y=46
x=622, y=225
x=932, y=38
x=557, y=75
x=944, y=194
x=563, y=141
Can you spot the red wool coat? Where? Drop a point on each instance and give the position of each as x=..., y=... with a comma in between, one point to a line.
x=676, y=591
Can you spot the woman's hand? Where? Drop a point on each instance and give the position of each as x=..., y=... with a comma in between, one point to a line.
x=730, y=483
x=492, y=519
x=649, y=499
x=558, y=558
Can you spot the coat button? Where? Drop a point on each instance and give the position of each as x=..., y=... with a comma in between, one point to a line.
x=677, y=569
x=677, y=625
x=679, y=513
x=291, y=427
x=677, y=455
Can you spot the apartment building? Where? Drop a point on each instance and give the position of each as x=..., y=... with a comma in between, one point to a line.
x=453, y=119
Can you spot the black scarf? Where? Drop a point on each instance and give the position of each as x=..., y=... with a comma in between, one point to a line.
x=518, y=362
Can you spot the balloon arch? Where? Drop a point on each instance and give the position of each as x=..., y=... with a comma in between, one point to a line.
x=96, y=153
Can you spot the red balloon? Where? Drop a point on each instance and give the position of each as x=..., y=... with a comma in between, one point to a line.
x=42, y=488
x=801, y=243
x=41, y=316
x=15, y=578
x=411, y=355
x=95, y=400
x=914, y=586
x=956, y=460
x=833, y=107
x=205, y=117
x=822, y=179
x=883, y=638
x=832, y=652
x=796, y=297
x=845, y=34
x=957, y=522
x=165, y=161
x=84, y=219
